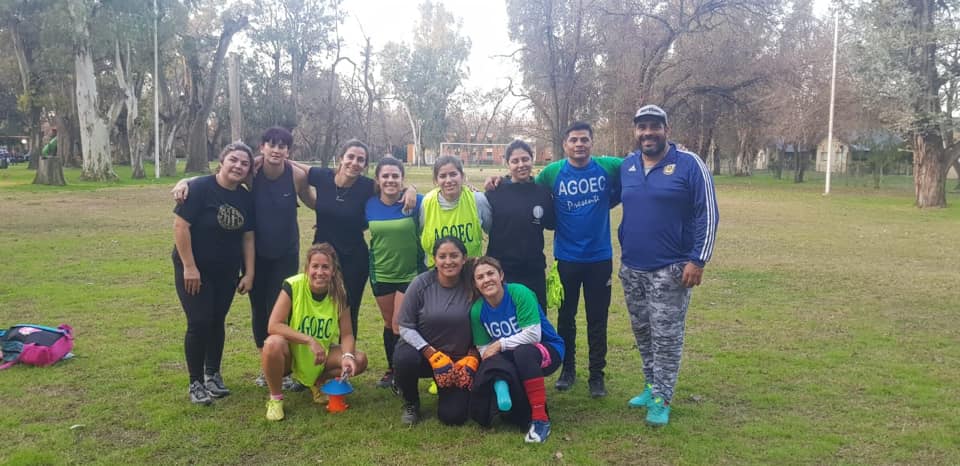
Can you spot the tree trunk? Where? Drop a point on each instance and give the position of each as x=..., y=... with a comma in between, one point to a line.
x=197, y=161
x=714, y=154
x=799, y=164
x=68, y=124
x=233, y=86
x=94, y=128
x=49, y=171
x=130, y=125
x=168, y=155
x=778, y=164
x=66, y=140
x=122, y=146
x=136, y=162
x=744, y=162
x=197, y=136
x=930, y=165
x=36, y=140
x=26, y=74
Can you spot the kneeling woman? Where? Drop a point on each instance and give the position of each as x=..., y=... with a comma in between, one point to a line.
x=519, y=348
x=309, y=317
x=435, y=336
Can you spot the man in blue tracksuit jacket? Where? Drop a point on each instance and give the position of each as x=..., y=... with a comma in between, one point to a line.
x=667, y=236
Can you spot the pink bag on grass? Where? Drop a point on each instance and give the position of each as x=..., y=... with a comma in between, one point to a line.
x=35, y=345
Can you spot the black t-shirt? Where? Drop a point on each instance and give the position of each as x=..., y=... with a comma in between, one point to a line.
x=218, y=219
x=341, y=215
x=520, y=213
x=276, y=209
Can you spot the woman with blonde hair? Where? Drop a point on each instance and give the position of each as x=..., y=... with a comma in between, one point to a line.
x=309, y=318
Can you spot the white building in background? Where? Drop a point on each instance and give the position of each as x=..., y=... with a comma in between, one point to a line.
x=763, y=159
x=841, y=155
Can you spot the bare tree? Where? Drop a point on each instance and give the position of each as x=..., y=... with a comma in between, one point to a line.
x=203, y=82
x=424, y=77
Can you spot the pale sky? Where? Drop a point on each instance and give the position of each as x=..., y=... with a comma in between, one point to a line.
x=484, y=22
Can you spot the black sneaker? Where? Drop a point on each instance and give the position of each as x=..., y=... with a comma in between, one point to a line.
x=566, y=379
x=199, y=394
x=411, y=414
x=597, y=388
x=214, y=385
x=394, y=387
x=387, y=380
x=290, y=385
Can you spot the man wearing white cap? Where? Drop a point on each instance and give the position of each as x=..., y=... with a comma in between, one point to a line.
x=667, y=234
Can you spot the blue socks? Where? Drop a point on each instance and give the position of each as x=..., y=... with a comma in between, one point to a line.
x=502, y=390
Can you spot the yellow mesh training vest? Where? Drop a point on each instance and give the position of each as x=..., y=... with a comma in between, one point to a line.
x=318, y=319
x=462, y=222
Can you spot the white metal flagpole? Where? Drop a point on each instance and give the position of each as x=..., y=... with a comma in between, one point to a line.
x=833, y=87
x=156, y=91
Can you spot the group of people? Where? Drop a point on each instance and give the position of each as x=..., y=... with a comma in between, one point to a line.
x=475, y=324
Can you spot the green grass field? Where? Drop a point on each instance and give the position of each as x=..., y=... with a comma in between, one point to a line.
x=825, y=332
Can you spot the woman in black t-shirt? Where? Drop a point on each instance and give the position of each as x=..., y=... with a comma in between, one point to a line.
x=214, y=241
x=521, y=210
x=339, y=204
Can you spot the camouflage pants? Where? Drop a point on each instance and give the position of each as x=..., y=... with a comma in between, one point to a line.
x=657, y=302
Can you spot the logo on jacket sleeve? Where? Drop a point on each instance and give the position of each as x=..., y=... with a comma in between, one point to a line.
x=668, y=170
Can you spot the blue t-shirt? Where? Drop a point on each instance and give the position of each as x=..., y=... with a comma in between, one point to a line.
x=670, y=214
x=582, y=198
x=518, y=309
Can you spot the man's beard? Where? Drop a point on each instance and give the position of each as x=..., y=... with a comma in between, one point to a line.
x=657, y=149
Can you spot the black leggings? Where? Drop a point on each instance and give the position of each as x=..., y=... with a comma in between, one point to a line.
x=409, y=367
x=528, y=358
x=595, y=279
x=356, y=272
x=268, y=277
x=206, y=313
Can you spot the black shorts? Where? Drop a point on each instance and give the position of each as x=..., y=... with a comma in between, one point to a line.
x=383, y=289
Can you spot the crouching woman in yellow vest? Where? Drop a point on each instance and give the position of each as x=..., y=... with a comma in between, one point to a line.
x=308, y=319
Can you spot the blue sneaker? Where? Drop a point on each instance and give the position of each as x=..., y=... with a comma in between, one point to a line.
x=538, y=433
x=658, y=413
x=643, y=399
